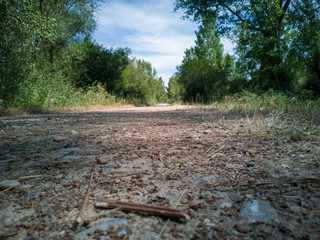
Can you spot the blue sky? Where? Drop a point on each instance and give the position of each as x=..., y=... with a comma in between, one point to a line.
x=150, y=29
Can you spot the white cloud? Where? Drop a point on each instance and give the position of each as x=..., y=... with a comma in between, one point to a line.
x=149, y=29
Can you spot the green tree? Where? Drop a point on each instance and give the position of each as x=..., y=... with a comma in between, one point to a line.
x=34, y=42
x=304, y=51
x=261, y=28
x=141, y=85
x=175, y=89
x=100, y=65
x=205, y=72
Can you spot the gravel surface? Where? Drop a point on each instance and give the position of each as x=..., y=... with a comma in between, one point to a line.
x=231, y=180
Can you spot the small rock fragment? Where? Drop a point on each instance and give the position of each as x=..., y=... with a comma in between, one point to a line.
x=234, y=166
x=69, y=150
x=258, y=211
x=241, y=228
x=33, y=193
x=237, y=198
x=250, y=164
x=9, y=183
x=110, y=166
x=102, y=226
x=203, y=183
x=59, y=138
x=207, y=131
x=70, y=158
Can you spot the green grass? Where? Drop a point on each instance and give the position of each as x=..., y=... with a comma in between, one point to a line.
x=276, y=115
x=61, y=96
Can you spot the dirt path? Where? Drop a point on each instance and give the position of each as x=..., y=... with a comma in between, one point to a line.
x=231, y=183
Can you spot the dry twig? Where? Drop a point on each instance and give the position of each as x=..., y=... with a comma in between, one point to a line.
x=82, y=210
x=212, y=155
x=7, y=189
x=143, y=208
x=29, y=177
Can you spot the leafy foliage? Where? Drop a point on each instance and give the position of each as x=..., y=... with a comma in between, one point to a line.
x=141, y=85
x=205, y=72
x=34, y=42
x=277, y=41
x=48, y=59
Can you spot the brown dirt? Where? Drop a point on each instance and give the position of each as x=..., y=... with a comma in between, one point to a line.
x=203, y=161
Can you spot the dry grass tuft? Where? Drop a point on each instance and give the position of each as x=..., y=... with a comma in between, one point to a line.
x=279, y=125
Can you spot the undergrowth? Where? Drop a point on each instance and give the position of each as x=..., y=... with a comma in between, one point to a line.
x=276, y=115
x=59, y=97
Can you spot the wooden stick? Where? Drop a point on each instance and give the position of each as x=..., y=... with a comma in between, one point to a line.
x=138, y=207
x=208, y=150
x=7, y=189
x=29, y=177
x=217, y=150
x=82, y=210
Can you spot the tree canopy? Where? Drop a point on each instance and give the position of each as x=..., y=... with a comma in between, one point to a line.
x=269, y=36
x=205, y=73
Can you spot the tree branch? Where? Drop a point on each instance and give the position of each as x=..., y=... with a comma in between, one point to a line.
x=142, y=208
x=284, y=10
x=241, y=19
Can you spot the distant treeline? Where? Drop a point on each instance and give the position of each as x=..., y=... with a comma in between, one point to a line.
x=49, y=60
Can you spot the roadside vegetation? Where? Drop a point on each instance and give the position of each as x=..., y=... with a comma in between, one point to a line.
x=274, y=115
x=49, y=60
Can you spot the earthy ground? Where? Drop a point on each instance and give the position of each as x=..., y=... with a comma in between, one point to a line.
x=209, y=163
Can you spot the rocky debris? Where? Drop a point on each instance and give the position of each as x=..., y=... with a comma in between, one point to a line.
x=60, y=138
x=234, y=166
x=212, y=170
x=258, y=211
x=13, y=214
x=250, y=164
x=9, y=183
x=111, y=224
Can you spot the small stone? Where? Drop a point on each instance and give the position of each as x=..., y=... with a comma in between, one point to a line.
x=113, y=191
x=70, y=158
x=59, y=138
x=106, y=158
x=9, y=183
x=258, y=211
x=33, y=193
x=207, y=131
x=110, y=166
x=121, y=234
x=91, y=151
x=234, y=166
x=102, y=226
x=250, y=164
x=203, y=183
x=225, y=205
x=236, y=198
x=74, y=132
x=140, y=194
x=284, y=166
x=241, y=228
x=69, y=150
